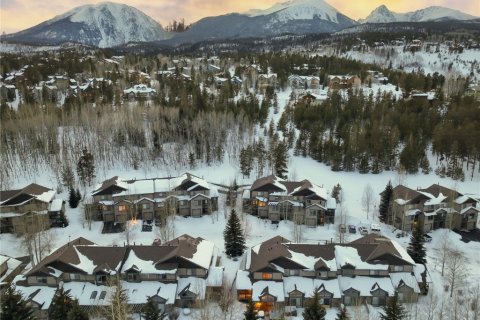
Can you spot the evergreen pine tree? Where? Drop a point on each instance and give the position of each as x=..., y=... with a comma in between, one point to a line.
x=336, y=192
x=68, y=178
x=314, y=310
x=342, y=314
x=394, y=310
x=61, y=304
x=72, y=198
x=86, y=167
x=233, y=235
x=280, y=160
x=13, y=306
x=78, y=195
x=250, y=313
x=151, y=312
x=416, y=248
x=385, y=202
x=76, y=313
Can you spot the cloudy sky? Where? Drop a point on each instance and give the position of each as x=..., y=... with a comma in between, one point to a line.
x=16, y=15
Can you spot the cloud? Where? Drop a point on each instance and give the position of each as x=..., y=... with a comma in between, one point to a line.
x=16, y=15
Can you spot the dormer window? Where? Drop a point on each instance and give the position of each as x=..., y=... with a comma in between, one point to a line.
x=42, y=280
x=133, y=276
x=101, y=278
x=323, y=274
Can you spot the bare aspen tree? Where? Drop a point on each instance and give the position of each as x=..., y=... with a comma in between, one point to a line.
x=367, y=198
x=444, y=250
x=118, y=307
x=297, y=226
x=457, y=269
x=166, y=230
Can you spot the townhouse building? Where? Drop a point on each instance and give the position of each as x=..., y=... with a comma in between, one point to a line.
x=433, y=207
x=118, y=200
x=30, y=209
x=176, y=273
x=302, y=201
x=369, y=270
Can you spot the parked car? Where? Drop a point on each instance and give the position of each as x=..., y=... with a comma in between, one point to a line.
x=375, y=227
x=342, y=228
x=427, y=238
x=363, y=230
x=352, y=228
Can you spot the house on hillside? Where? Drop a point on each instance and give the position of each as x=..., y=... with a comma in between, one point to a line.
x=28, y=209
x=139, y=91
x=278, y=273
x=343, y=81
x=434, y=207
x=276, y=199
x=175, y=273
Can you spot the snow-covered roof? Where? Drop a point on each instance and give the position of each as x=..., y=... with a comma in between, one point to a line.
x=418, y=269
x=365, y=285
x=464, y=210
x=403, y=253
x=407, y=278
x=412, y=212
x=215, y=277
x=47, y=196
x=435, y=200
x=140, y=292
x=274, y=288
x=242, y=280
x=89, y=294
x=42, y=295
x=139, y=88
x=331, y=203
x=203, y=256
x=11, y=263
x=56, y=205
x=195, y=285
x=349, y=255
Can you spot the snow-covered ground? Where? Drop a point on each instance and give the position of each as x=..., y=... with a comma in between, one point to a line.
x=211, y=227
x=442, y=62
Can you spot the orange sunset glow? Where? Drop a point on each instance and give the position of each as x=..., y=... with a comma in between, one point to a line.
x=17, y=15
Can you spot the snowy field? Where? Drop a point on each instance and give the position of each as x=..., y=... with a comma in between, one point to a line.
x=211, y=227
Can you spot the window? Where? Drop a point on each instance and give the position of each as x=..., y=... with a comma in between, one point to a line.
x=245, y=295
x=161, y=276
x=104, y=197
x=400, y=297
x=101, y=278
x=325, y=301
x=347, y=272
x=471, y=215
x=42, y=280
x=430, y=218
x=93, y=295
x=374, y=272
x=74, y=276
x=132, y=276
x=375, y=301
x=183, y=202
x=322, y=274
x=145, y=206
x=199, y=202
x=160, y=204
x=191, y=272
x=294, y=272
x=347, y=300
x=102, y=295
x=122, y=208
x=398, y=268
x=267, y=276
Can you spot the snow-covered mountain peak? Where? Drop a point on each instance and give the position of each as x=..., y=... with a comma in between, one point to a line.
x=105, y=24
x=383, y=15
x=299, y=10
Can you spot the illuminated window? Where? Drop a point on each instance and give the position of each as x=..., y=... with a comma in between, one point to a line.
x=267, y=276
x=122, y=208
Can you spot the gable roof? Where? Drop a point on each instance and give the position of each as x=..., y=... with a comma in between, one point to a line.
x=19, y=196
